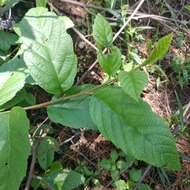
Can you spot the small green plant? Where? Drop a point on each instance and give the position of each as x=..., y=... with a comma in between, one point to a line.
x=118, y=163
x=46, y=58
x=181, y=67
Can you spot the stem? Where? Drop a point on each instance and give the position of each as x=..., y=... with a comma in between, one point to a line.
x=63, y=98
x=32, y=166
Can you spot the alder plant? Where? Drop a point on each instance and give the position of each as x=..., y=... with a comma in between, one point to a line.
x=46, y=58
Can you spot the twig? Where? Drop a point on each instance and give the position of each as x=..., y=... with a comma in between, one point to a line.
x=114, y=38
x=63, y=98
x=143, y=177
x=84, y=39
x=69, y=139
x=85, y=5
x=34, y=157
x=128, y=20
x=39, y=126
x=32, y=166
x=74, y=29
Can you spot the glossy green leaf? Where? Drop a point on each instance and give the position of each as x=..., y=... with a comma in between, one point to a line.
x=53, y=65
x=7, y=40
x=102, y=32
x=14, y=148
x=72, y=113
x=133, y=127
x=45, y=152
x=10, y=84
x=110, y=62
x=160, y=49
x=133, y=82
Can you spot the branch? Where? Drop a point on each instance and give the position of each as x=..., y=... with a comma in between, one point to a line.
x=32, y=166
x=63, y=98
x=143, y=177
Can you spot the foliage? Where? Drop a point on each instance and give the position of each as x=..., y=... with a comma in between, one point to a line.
x=181, y=67
x=14, y=148
x=133, y=82
x=114, y=108
x=160, y=49
x=102, y=32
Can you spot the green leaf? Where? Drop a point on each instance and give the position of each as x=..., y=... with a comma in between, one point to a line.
x=67, y=22
x=22, y=98
x=15, y=64
x=36, y=25
x=53, y=65
x=102, y=32
x=73, y=180
x=160, y=49
x=133, y=82
x=8, y=4
x=121, y=185
x=135, y=174
x=7, y=40
x=41, y=3
x=45, y=152
x=14, y=148
x=187, y=7
x=72, y=113
x=60, y=179
x=145, y=187
x=110, y=62
x=2, y=2
x=10, y=84
x=133, y=127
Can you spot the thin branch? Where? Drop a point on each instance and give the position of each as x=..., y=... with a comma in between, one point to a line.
x=84, y=39
x=74, y=29
x=32, y=166
x=34, y=158
x=85, y=5
x=147, y=170
x=63, y=98
x=128, y=20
